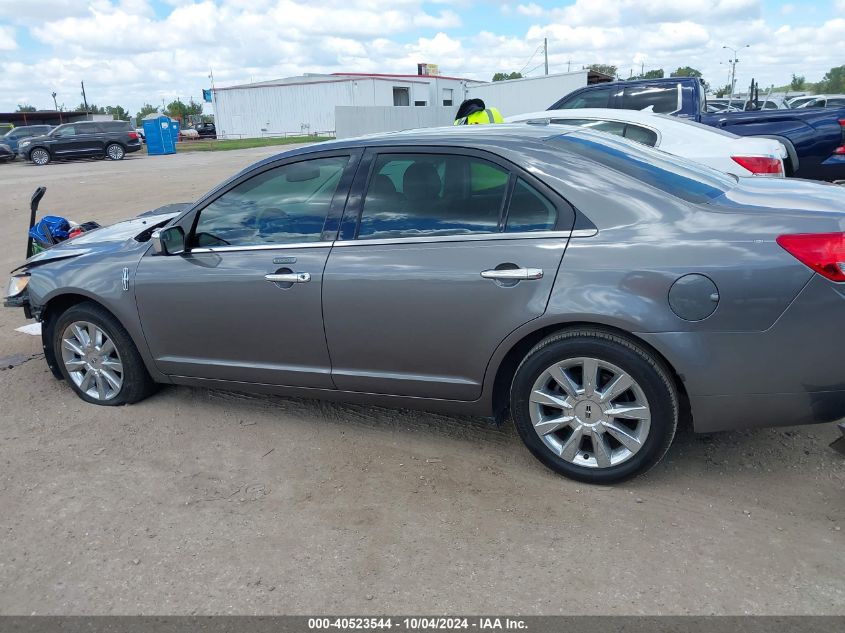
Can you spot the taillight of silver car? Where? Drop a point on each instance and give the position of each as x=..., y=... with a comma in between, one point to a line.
x=761, y=165
x=823, y=252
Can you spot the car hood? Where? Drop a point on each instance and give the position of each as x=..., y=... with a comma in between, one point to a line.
x=129, y=234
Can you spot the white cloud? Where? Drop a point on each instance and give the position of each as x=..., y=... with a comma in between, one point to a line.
x=7, y=38
x=127, y=53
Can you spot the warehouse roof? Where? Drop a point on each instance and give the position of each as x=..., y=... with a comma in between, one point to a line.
x=315, y=78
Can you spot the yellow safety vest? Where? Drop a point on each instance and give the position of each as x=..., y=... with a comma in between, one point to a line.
x=490, y=115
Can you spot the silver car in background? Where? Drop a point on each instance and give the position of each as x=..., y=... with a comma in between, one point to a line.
x=595, y=289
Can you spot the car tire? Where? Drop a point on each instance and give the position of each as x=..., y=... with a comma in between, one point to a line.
x=115, y=151
x=40, y=156
x=601, y=431
x=98, y=358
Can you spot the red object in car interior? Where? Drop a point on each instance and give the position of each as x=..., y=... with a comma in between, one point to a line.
x=763, y=165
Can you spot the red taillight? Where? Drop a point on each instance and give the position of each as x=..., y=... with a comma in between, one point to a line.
x=823, y=252
x=760, y=164
x=133, y=136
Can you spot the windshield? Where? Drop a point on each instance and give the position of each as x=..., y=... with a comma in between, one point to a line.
x=677, y=176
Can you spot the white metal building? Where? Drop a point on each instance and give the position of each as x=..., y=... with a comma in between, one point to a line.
x=306, y=104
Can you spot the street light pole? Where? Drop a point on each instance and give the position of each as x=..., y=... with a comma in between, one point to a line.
x=733, y=69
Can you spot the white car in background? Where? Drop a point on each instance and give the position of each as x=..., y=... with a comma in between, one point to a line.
x=739, y=155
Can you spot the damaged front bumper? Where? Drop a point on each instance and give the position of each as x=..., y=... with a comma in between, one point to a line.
x=839, y=445
x=19, y=301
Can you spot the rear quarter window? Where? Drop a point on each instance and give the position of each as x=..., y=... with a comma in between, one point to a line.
x=671, y=174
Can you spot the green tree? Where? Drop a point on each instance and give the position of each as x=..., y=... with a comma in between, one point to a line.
x=92, y=108
x=651, y=74
x=797, y=82
x=118, y=112
x=144, y=111
x=723, y=91
x=506, y=76
x=605, y=69
x=833, y=81
x=180, y=110
x=25, y=107
x=686, y=71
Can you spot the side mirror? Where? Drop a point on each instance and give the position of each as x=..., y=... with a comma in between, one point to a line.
x=169, y=241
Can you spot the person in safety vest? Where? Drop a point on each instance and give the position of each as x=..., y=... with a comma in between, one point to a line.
x=474, y=112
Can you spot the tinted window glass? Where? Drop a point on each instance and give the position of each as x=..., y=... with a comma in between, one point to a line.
x=662, y=98
x=87, y=128
x=64, y=130
x=641, y=135
x=529, y=210
x=414, y=195
x=283, y=205
x=598, y=98
x=835, y=103
x=611, y=127
x=679, y=177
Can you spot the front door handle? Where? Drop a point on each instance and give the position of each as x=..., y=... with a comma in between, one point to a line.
x=513, y=274
x=288, y=278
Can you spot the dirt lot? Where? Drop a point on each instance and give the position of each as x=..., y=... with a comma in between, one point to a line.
x=197, y=501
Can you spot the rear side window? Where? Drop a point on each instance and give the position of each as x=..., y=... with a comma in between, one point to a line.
x=415, y=195
x=287, y=204
x=641, y=134
x=529, y=210
x=662, y=99
x=593, y=98
x=674, y=175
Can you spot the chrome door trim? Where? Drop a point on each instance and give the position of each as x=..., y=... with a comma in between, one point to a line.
x=475, y=237
x=260, y=247
x=513, y=274
x=288, y=278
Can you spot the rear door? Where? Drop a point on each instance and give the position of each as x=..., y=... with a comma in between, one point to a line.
x=244, y=303
x=89, y=139
x=442, y=253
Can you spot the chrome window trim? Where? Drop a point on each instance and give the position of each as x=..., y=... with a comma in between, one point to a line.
x=260, y=247
x=473, y=237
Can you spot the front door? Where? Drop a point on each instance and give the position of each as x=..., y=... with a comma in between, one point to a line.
x=244, y=304
x=446, y=256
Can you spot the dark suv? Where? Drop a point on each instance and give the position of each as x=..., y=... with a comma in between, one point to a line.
x=14, y=136
x=111, y=139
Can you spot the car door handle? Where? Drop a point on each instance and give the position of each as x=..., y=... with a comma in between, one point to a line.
x=512, y=274
x=288, y=278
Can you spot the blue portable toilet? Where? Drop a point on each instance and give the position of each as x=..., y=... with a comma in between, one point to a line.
x=174, y=130
x=158, y=134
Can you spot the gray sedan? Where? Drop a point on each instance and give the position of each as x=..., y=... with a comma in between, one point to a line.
x=595, y=290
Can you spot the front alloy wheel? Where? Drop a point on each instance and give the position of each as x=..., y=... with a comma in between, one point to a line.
x=40, y=156
x=92, y=361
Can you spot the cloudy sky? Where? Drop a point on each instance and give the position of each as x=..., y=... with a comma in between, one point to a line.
x=133, y=51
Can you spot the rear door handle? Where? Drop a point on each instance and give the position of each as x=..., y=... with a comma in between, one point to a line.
x=513, y=274
x=288, y=278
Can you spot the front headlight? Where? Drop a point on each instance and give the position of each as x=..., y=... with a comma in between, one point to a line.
x=17, y=284
x=24, y=143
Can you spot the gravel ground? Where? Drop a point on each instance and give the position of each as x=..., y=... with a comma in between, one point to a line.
x=207, y=502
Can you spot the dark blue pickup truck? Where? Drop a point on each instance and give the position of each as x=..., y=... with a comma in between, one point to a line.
x=814, y=137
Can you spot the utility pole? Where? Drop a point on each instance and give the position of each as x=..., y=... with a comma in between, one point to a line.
x=568, y=64
x=733, y=63
x=84, y=98
x=546, y=52
x=55, y=105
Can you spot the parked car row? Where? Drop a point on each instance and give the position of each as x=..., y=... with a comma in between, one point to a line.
x=595, y=289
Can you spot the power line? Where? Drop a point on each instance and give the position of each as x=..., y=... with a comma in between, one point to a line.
x=530, y=59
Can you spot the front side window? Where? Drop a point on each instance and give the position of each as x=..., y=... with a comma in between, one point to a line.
x=662, y=99
x=414, y=195
x=284, y=205
x=64, y=131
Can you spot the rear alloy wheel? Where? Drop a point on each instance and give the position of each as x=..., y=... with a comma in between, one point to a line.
x=594, y=406
x=115, y=152
x=39, y=156
x=98, y=358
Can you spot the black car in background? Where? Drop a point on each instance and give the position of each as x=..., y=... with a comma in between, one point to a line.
x=88, y=139
x=206, y=130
